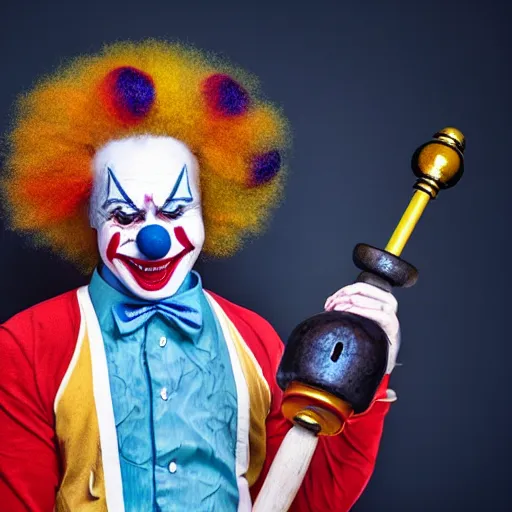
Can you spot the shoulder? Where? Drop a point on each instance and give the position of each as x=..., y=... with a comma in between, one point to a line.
x=252, y=320
x=37, y=345
x=56, y=315
x=259, y=335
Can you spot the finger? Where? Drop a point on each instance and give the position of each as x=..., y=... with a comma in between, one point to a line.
x=338, y=306
x=362, y=301
x=333, y=297
x=369, y=291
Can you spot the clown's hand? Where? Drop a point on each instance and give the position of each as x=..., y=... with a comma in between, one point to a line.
x=375, y=304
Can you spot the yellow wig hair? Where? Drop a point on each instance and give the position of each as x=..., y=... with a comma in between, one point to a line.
x=156, y=88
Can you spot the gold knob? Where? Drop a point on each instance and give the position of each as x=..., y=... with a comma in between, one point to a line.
x=452, y=136
x=439, y=163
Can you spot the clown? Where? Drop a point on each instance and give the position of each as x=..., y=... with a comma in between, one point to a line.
x=143, y=391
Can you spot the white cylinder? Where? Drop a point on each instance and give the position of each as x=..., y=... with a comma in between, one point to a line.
x=287, y=471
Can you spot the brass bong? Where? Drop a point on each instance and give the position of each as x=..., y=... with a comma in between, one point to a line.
x=334, y=361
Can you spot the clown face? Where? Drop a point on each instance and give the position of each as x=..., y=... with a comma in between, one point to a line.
x=146, y=209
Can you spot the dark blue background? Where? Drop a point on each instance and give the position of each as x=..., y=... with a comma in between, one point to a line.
x=363, y=83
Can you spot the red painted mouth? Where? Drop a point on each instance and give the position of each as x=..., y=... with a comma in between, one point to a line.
x=151, y=275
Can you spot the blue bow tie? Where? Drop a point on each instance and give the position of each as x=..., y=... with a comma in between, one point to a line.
x=131, y=316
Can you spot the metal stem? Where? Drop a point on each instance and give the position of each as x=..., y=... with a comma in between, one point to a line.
x=408, y=222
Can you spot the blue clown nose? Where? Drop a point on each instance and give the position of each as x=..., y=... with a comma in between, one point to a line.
x=154, y=241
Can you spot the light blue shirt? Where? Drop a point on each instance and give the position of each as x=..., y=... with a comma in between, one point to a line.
x=175, y=405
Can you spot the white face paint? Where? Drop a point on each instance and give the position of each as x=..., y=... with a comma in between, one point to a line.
x=151, y=184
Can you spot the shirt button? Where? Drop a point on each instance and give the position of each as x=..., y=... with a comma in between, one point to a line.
x=163, y=341
x=163, y=394
x=173, y=467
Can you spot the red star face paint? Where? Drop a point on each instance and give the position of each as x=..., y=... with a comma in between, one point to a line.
x=146, y=209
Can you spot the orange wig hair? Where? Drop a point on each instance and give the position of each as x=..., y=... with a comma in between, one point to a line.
x=148, y=88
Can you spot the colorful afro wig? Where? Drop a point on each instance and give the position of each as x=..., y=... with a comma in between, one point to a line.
x=155, y=88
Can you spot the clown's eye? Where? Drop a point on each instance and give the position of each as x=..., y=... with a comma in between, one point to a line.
x=172, y=214
x=125, y=219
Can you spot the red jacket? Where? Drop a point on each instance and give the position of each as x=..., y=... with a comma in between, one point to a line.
x=36, y=347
